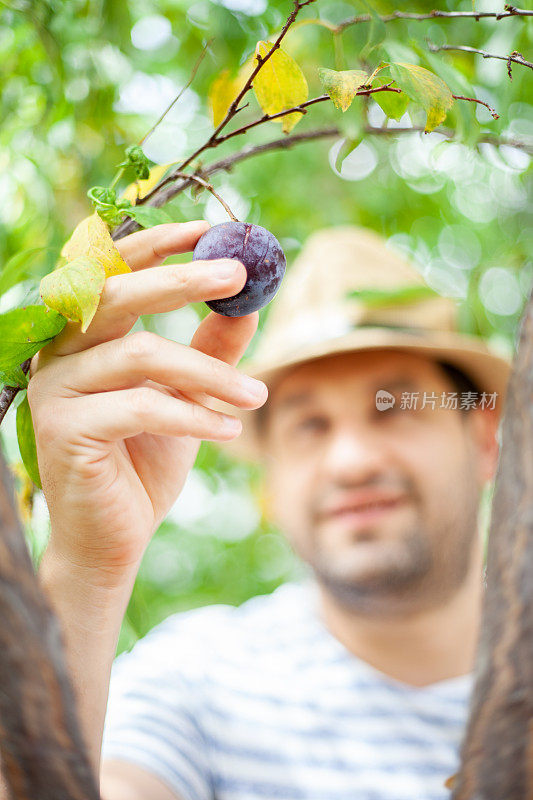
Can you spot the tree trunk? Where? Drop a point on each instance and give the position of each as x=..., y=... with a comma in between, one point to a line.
x=497, y=753
x=43, y=755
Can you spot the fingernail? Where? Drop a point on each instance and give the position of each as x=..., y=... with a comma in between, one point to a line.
x=254, y=387
x=224, y=269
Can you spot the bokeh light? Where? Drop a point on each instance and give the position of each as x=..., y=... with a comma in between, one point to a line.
x=151, y=32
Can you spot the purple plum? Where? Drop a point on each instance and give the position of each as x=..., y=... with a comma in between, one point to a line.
x=261, y=254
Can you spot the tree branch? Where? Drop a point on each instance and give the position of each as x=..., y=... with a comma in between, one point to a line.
x=519, y=144
x=515, y=57
x=481, y=102
x=169, y=187
x=510, y=11
x=305, y=104
x=176, y=173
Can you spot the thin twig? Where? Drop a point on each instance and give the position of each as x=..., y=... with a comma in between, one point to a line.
x=515, y=57
x=510, y=11
x=481, y=102
x=209, y=187
x=449, y=133
x=165, y=112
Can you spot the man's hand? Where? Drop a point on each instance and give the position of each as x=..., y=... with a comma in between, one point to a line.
x=118, y=419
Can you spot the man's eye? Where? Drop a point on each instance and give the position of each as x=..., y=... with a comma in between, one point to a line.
x=312, y=424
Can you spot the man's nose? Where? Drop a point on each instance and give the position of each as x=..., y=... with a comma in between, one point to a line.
x=354, y=454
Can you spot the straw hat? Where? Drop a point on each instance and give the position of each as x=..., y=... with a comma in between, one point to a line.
x=313, y=317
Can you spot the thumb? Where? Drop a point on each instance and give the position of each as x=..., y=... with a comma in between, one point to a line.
x=226, y=338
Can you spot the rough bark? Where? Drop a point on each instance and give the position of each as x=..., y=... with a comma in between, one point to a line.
x=497, y=754
x=42, y=753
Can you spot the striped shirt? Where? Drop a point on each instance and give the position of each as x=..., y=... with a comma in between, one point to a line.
x=261, y=702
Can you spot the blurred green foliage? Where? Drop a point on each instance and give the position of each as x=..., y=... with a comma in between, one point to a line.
x=83, y=80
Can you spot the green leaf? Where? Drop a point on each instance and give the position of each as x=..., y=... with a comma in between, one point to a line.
x=280, y=84
x=463, y=115
x=23, y=331
x=342, y=85
x=424, y=88
x=14, y=377
x=147, y=216
x=456, y=81
x=352, y=127
x=18, y=268
x=346, y=148
x=392, y=297
x=26, y=440
x=136, y=158
x=392, y=103
x=74, y=290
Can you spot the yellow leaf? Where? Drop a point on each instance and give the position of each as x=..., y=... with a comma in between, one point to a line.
x=280, y=84
x=225, y=89
x=425, y=88
x=246, y=70
x=342, y=85
x=74, y=290
x=221, y=94
x=145, y=186
x=92, y=239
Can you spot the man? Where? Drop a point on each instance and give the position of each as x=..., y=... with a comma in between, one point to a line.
x=351, y=685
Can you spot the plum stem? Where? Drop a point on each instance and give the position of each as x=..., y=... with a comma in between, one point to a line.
x=210, y=188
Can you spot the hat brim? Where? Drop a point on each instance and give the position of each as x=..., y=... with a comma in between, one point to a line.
x=488, y=370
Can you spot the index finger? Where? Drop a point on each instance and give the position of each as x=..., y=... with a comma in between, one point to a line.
x=140, y=250
x=150, y=247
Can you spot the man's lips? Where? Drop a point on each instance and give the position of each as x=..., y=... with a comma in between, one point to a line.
x=364, y=506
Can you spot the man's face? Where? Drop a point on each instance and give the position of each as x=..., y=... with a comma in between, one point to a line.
x=382, y=504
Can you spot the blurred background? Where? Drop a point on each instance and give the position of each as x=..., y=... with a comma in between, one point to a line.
x=82, y=80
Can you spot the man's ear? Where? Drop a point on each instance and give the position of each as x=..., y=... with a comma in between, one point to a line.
x=484, y=426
